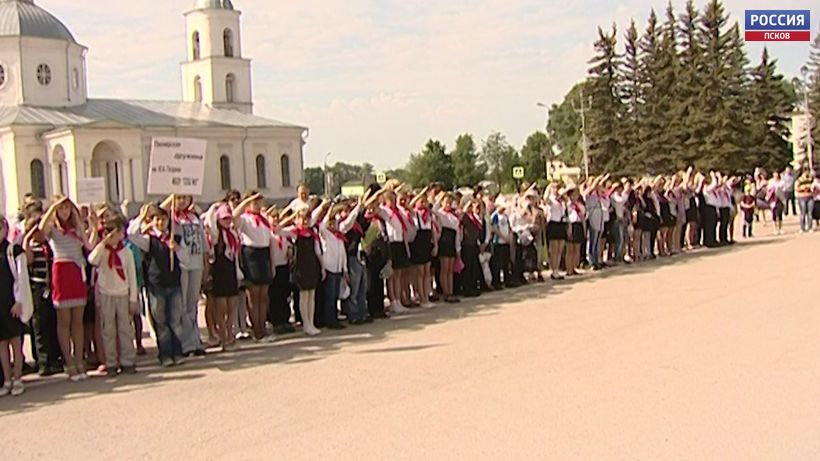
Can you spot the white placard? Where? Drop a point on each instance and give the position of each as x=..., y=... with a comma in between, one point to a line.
x=518, y=172
x=177, y=166
x=91, y=191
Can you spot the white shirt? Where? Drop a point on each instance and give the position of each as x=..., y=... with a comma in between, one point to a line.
x=298, y=204
x=108, y=280
x=619, y=203
x=503, y=231
x=557, y=209
x=577, y=212
x=280, y=246
x=394, y=224
x=334, y=257
x=252, y=234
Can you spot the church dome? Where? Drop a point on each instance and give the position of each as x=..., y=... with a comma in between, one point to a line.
x=213, y=4
x=22, y=18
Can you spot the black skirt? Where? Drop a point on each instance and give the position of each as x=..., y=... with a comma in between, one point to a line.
x=306, y=272
x=447, y=243
x=576, y=233
x=255, y=264
x=10, y=327
x=556, y=231
x=224, y=282
x=421, y=250
x=399, y=256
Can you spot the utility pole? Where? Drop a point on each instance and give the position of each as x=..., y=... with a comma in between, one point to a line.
x=327, y=184
x=548, y=153
x=585, y=106
x=804, y=71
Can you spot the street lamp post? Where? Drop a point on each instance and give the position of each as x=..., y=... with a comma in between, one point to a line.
x=548, y=154
x=585, y=106
x=804, y=71
x=327, y=175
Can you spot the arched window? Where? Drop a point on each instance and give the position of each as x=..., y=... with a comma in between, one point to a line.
x=261, y=173
x=229, y=90
x=225, y=172
x=285, y=164
x=227, y=42
x=195, y=45
x=197, y=89
x=38, y=179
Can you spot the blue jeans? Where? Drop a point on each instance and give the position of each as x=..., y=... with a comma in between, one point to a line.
x=191, y=287
x=618, y=233
x=594, y=244
x=806, y=208
x=356, y=305
x=330, y=298
x=167, y=312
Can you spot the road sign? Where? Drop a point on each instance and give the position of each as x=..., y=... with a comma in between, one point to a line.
x=518, y=172
x=381, y=178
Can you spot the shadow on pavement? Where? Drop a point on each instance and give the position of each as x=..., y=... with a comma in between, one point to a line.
x=297, y=349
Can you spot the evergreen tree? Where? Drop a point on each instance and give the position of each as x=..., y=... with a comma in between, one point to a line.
x=724, y=91
x=604, y=115
x=650, y=113
x=688, y=124
x=632, y=100
x=467, y=169
x=668, y=66
x=431, y=165
x=814, y=91
x=770, y=107
x=534, y=154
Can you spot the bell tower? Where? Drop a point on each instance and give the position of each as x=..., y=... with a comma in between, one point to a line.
x=215, y=73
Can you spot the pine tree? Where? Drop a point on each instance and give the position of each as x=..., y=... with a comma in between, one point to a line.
x=689, y=125
x=724, y=91
x=668, y=63
x=467, y=168
x=814, y=91
x=632, y=99
x=604, y=115
x=770, y=107
x=565, y=126
x=651, y=115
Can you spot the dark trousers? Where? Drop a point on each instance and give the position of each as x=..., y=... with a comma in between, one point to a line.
x=44, y=328
x=790, y=200
x=500, y=264
x=471, y=275
x=710, y=221
x=375, y=288
x=330, y=299
x=294, y=296
x=435, y=267
x=278, y=292
x=723, y=230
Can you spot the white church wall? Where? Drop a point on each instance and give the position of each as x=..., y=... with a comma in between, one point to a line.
x=11, y=90
x=211, y=25
x=53, y=54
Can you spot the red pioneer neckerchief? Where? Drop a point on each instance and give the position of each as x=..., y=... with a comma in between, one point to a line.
x=114, y=261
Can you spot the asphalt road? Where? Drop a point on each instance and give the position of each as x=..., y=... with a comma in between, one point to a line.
x=713, y=355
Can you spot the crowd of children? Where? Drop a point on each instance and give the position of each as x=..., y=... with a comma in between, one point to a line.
x=81, y=280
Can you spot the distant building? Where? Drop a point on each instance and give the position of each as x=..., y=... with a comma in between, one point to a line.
x=52, y=133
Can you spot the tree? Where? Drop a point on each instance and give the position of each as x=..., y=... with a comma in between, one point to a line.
x=631, y=96
x=398, y=173
x=688, y=125
x=771, y=104
x=467, y=168
x=604, y=114
x=565, y=126
x=500, y=158
x=534, y=154
x=315, y=180
x=814, y=90
x=432, y=164
x=724, y=91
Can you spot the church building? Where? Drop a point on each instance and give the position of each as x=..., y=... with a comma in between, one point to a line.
x=52, y=133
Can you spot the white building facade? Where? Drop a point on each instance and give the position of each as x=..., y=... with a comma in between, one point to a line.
x=52, y=134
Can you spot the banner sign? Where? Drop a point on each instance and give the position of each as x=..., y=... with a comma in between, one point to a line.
x=778, y=25
x=177, y=166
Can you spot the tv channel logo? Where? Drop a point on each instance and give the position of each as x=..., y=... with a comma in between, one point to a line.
x=778, y=25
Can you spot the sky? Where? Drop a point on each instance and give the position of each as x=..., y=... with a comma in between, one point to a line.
x=375, y=79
